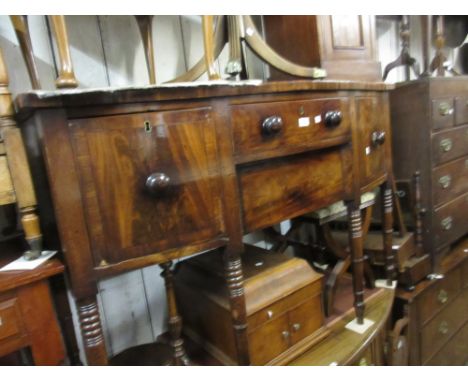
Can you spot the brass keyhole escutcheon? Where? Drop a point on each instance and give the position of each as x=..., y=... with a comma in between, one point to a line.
x=147, y=127
x=301, y=111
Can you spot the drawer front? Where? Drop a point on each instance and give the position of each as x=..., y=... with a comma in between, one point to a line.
x=269, y=340
x=305, y=319
x=450, y=221
x=284, y=188
x=461, y=110
x=450, y=180
x=284, y=305
x=454, y=353
x=373, y=137
x=448, y=145
x=439, y=296
x=442, y=113
x=151, y=181
x=10, y=318
x=298, y=124
x=439, y=330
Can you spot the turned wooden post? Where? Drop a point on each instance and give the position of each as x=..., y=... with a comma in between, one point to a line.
x=387, y=214
x=235, y=285
x=66, y=77
x=91, y=331
x=234, y=65
x=208, y=42
x=357, y=258
x=20, y=24
x=19, y=168
x=175, y=321
x=145, y=25
x=426, y=28
x=418, y=214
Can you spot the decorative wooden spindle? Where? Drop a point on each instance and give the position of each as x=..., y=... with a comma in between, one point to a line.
x=234, y=65
x=235, y=285
x=66, y=77
x=357, y=258
x=145, y=25
x=419, y=212
x=426, y=28
x=20, y=24
x=387, y=214
x=175, y=321
x=208, y=41
x=439, y=58
x=18, y=166
x=91, y=332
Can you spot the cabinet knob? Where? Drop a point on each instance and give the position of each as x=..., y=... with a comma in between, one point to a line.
x=445, y=181
x=157, y=182
x=442, y=297
x=378, y=138
x=446, y=223
x=285, y=334
x=270, y=314
x=445, y=109
x=446, y=145
x=272, y=125
x=443, y=327
x=332, y=118
x=296, y=327
x=1, y=321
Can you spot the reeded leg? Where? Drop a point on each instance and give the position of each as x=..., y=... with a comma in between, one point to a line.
x=235, y=284
x=91, y=332
x=357, y=258
x=175, y=321
x=208, y=32
x=387, y=215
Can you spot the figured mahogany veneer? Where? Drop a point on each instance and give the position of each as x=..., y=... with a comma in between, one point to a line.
x=143, y=176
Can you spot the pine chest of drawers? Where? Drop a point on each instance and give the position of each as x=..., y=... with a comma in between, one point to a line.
x=430, y=135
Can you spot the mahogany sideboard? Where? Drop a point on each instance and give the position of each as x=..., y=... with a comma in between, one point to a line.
x=138, y=176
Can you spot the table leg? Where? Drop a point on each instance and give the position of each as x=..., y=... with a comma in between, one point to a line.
x=357, y=258
x=387, y=215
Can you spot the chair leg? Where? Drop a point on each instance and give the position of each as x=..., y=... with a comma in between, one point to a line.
x=332, y=281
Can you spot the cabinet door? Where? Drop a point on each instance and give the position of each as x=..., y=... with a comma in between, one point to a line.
x=373, y=140
x=151, y=181
x=305, y=319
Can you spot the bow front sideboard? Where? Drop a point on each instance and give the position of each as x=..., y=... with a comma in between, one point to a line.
x=132, y=177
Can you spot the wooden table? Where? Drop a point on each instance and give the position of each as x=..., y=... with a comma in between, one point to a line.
x=146, y=175
x=27, y=314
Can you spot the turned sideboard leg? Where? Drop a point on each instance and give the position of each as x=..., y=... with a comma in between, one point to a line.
x=175, y=321
x=357, y=258
x=387, y=228
x=91, y=332
x=235, y=284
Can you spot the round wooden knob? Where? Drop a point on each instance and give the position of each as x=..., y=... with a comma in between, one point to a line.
x=333, y=118
x=378, y=138
x=272, y=125
x=157, y=182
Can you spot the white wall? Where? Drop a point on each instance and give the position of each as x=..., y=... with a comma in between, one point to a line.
x=107, y=51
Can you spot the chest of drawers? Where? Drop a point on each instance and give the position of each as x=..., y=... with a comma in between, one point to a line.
x=430, y=135
x=133, y=177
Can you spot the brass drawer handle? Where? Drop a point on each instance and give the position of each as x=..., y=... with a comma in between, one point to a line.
x=443, y=327
x=442, y=297
x=445, y=109
x=270, y=314
x=445, y=181
x=446, y=223
x=296, y=327
x=446, y=145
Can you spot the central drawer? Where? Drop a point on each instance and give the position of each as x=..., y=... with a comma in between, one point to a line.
x=150, y=181
x=263, y=130
x=283, y=188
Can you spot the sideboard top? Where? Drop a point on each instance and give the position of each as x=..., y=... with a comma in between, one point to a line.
x=181, y=91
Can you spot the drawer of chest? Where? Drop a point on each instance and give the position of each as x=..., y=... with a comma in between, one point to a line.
x=10, y=318
x=450, y=221
x=450, y=144
x=450, y=180
x=442, y=113
x=264, y=130
x=439, y=330
x=438, y=296
x=283, y=188
x=454, y=353
x=150, y=181
x=461, y=110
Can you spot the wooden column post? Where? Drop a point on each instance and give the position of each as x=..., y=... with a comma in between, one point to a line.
x=357, y=258
x=387, y=215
